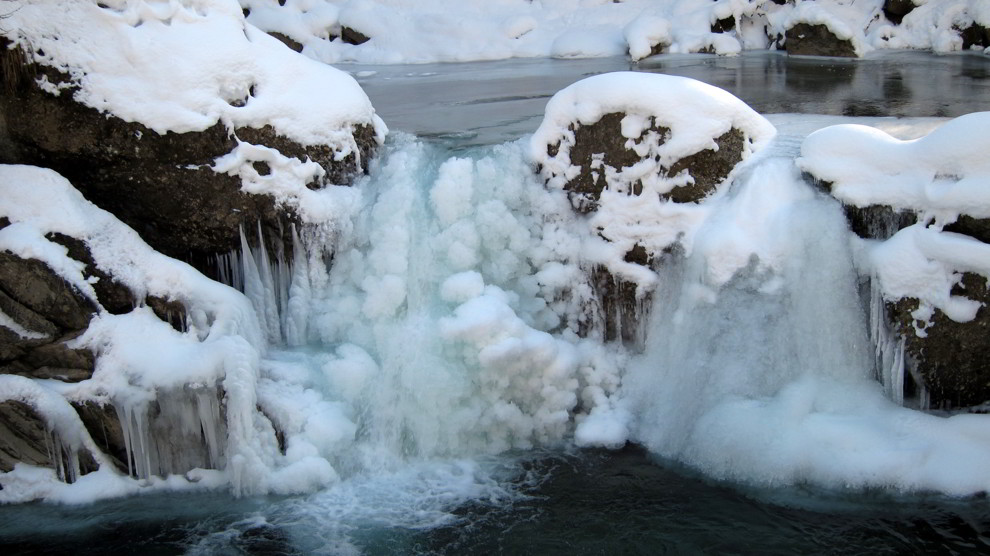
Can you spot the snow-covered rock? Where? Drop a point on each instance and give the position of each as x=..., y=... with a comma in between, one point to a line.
x=638, y=151
x=178, y=117
x=923, y=208
x=124, y=354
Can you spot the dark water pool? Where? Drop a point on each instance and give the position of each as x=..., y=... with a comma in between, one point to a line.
x=585, y=502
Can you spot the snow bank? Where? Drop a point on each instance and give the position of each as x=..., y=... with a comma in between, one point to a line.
x=416, y=31
x=185, y=65
x=938, y=177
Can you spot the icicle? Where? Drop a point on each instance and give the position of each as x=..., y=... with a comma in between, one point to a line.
x=888, y=346
x=254, y=287
x=211, y=425
x=269, y=309
x=299, y=295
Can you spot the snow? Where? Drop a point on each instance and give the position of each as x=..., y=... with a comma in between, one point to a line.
x=426, y=31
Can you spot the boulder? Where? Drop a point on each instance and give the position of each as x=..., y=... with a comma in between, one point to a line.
x=929, y=261
x=816, y=40
x=162, y=185
x=949, y=359
x=627, y=147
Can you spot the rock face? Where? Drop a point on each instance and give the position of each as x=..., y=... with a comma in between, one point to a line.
x=25, y=437
x=816, y=40
x=160, y=185
x=49, y=313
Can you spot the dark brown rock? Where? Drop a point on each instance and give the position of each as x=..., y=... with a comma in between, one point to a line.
x=352, y=36
x=171, y=311
x=977, y=228
x=25, y=437
x=816, y=40
x=287, y=41
x=115, y=297
x=36, y=286
x=895, y=10
x=708, y=167
x=951, y=357
x=104, y=427
x=27, y=318
x=620, y=311
x=604, y=140
x=975, y=35
x=56, y=360
x=724, y=25
x=878, y=221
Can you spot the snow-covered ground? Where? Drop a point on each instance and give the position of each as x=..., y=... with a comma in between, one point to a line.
x=420, y=31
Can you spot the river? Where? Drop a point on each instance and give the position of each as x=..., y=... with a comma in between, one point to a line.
x=564, y=500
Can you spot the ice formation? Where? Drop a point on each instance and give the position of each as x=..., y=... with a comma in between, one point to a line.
x=448, y=325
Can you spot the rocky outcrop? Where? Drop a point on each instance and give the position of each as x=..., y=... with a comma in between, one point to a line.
x=816, y=40
x=928, y=262
x=624, y=168
x=162, y=185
